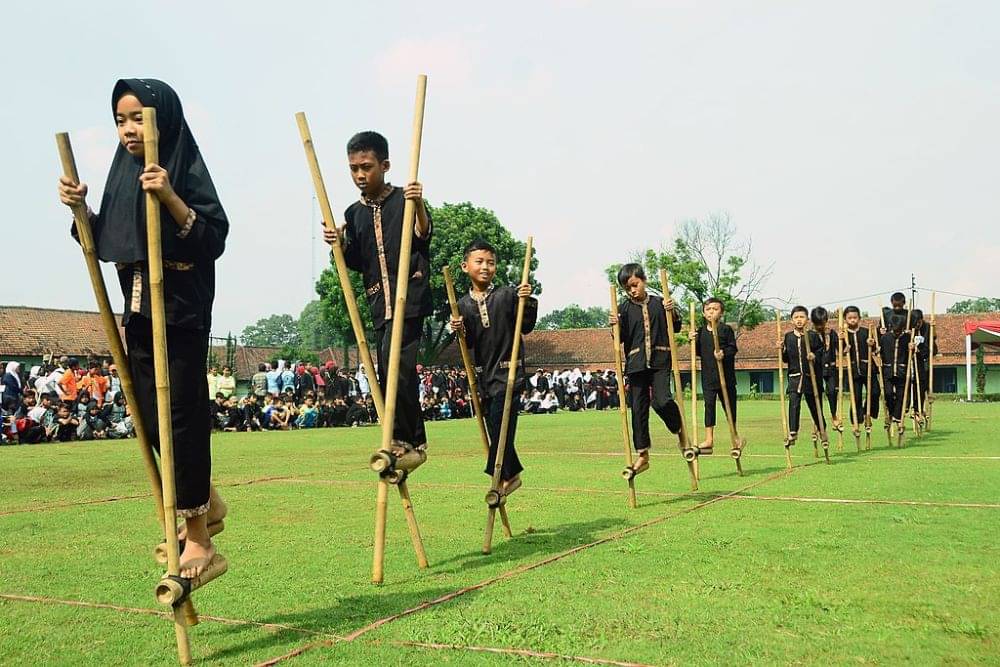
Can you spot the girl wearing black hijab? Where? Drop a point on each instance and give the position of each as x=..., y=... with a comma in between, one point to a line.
x=193, y=236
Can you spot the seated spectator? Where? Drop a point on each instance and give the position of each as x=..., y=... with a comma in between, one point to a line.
x=308, y=414
x=66, y=423
x=357, y=413
x=251, y=413
x=91, y=426
x=219, y=412
x=550, y=403
x=444, y=408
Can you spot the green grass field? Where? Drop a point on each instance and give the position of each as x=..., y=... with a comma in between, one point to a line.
x=768, y=568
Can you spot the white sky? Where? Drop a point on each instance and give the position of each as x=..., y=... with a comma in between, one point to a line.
x=853, y=134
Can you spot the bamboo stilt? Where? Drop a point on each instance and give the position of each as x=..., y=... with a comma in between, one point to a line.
x=357, y=326
x=888, y=418
x=734, y=436
x=508, y=399
x=470, y=373
x=906, y=384
x=111, y=332
x=690, y=449
x=868, y=392
x=622, y=401
x=817, y=398
x=692, y=343
x=930, y=379
x=855, y=428
x=839, y=399
x=782, y=393
x=161, y=370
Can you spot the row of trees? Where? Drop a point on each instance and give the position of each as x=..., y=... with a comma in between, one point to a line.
x=705, y=258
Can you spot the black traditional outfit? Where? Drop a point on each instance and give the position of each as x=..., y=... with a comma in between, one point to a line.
x=856, y=351
x=371, y=246
x=829, y=379
x=489, y=321
x=643, y=326
x=794, y=354
x=711, y=387
x=189, y=254
x=895, y=349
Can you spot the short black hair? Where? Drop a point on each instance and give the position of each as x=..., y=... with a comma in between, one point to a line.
x=261, y=368
x=916, y=314
x=369, y=141
x=713, y=299
x=819, y=314
x=630, y=270
x=799, y=309
x=852, y=309
x=896, y=321
x=898, y=296
x=479, y=244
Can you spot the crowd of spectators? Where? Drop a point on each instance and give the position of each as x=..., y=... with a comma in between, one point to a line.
x=65, y=402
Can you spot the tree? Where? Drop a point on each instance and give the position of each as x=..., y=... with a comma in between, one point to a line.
x=333, y=307
x=574, y=317
x=273, y=331
x=706, y=259
x=980, y=305
x=314, y=332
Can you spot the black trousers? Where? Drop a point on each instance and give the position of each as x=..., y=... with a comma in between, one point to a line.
x=795, y=409
x=829, y=385
x=493, y=414
x=187, y=353
x=894, y=396
x=860, y=402
x=651, y=388
x=714, y=394
x=409, y=426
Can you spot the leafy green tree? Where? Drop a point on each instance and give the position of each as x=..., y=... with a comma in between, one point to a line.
x=981, y=305
x=314, y=332
x=333, y=308
x=272, y=331
x=706, y=259
x=574, y=317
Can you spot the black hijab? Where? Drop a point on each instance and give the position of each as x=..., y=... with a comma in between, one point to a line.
x=121, y=226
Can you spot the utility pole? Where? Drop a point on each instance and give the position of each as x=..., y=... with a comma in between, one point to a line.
x=913, y=291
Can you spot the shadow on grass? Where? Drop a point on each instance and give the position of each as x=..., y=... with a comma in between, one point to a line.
x=529, y=542
x=346, y=615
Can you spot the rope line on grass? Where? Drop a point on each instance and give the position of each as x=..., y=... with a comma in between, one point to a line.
x=871, y=501
x=524, y=653
x=113, y=499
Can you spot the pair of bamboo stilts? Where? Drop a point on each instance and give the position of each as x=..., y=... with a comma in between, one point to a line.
x=849, y=368
x=172, y=590
x=782, y=392
x=470, y=373
x=385, y=406
x=817, y=398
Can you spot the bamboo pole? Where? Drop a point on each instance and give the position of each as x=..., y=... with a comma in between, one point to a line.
x=616, y=333
x=850, y=382
x=162, y=373
x=692, y=344
x=868, y=391
x=904, y=408
x=494, y=498
x=887, y=419
x=838, y=419
x=110, y=325
x=470, y=373
x=782, y=392
x=736, y=442
x=816, y=395
x=689, y=449
x=357, y=326
x=396, y=340
x=930, y=380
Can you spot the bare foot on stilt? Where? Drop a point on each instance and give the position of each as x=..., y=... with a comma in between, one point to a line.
x=196, y=557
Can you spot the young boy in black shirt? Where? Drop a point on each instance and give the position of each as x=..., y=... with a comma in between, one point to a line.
x=895, y=345
x=487, y=318
x=371, y=237
x=642, y=320
x=798, y=349
x=857, y=343
x=711, y=385
x=828, y=379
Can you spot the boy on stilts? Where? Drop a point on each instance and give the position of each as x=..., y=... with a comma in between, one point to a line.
x=711, y=383
x=829, y=379
x=799, y=349
x=642, y=318
x=895, y=344
x=859, y=344
x=371, y=238
x=487, y=320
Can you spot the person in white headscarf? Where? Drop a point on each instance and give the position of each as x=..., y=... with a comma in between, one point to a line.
x=12, y=383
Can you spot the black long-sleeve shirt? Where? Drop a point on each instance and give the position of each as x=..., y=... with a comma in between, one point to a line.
x=704, y=347
x=373, y=250
x=828, y=356
x=489, y=333
x=793, y=353
x=894, y=352
x=856, y=349
x=643, y=328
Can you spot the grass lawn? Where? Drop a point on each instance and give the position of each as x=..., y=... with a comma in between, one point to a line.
x=772, y=567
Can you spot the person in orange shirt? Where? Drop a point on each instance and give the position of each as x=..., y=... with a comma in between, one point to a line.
x=95, y=383
x=67, y=383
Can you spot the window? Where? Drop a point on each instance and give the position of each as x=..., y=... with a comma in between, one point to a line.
x=945, y=380
x=764, y=381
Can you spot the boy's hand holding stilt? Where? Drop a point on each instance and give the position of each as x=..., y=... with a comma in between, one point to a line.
x=524, y=290
x=457, y=325
x=612, y=319
x=72, y=194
